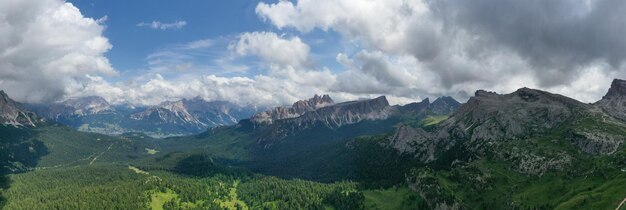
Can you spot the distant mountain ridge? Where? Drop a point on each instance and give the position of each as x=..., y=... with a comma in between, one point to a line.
x=296, y=110
x=196, y=112
x=170, y=118
x=73, y=107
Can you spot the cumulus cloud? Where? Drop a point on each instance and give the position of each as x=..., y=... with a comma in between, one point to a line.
x=463, y=46
x=47, y=49
x=283, y=82
x=272, y=48
x=163, y=26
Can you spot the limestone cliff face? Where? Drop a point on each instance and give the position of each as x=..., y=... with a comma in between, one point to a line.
x=332, y=116
x=346, y=113
x=11, y=113
x=296, y=110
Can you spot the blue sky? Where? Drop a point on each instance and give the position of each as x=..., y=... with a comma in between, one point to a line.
x=205, y=20
x=276, y=52
x=219, y=21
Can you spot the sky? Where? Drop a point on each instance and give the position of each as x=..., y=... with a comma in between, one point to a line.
x=143, y=52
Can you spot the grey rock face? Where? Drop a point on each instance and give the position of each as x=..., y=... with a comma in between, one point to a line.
x=407, y=139
x=346, y=113
x=597, y=143
x=444, y=105
x=330, y=116
x=11, y=113
x=529, y=163
x=614, y=102
x=489, y=117
x=296, y=110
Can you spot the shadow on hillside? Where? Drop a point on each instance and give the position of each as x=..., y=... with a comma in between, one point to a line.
x=19, y=151
x=202, y=165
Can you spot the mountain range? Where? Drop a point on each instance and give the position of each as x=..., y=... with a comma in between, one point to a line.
x=170, y=118
x=529, y=149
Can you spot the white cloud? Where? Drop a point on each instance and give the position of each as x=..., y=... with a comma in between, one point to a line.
x=272, y=48
x=163, y=26
x=460, y=46
x=47, y=49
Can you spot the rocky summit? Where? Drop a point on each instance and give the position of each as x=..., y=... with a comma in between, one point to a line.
x=337, y=115
x=614, y=102
x=296, y=110
x=11, y=113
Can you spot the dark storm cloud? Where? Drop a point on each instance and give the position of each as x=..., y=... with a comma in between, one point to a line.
x=557, y=37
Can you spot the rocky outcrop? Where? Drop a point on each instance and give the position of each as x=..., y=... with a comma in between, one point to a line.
x=296, y=110
x=597, y=143
x=11, y=113
x=527, y=161
x=444, y=105
x=330, y=116
x=407, y=139
x=614, y=102
x=337, y=115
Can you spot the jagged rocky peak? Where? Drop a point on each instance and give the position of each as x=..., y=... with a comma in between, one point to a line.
x=11, y=113
x=312, y=104
x=444, y=105
x=614, y=102
x=88, y=105
x=333, y=116
x=297, y=109
x=617, y=89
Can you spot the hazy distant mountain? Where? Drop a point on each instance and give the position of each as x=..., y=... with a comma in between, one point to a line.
x=183, y=117
x=72, y=108
x=194, y=115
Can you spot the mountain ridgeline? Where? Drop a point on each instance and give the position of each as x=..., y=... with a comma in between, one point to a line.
x=170, y=118
x=529, y=149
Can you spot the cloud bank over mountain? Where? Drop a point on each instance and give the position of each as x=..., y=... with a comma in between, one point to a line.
x=406, y=49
